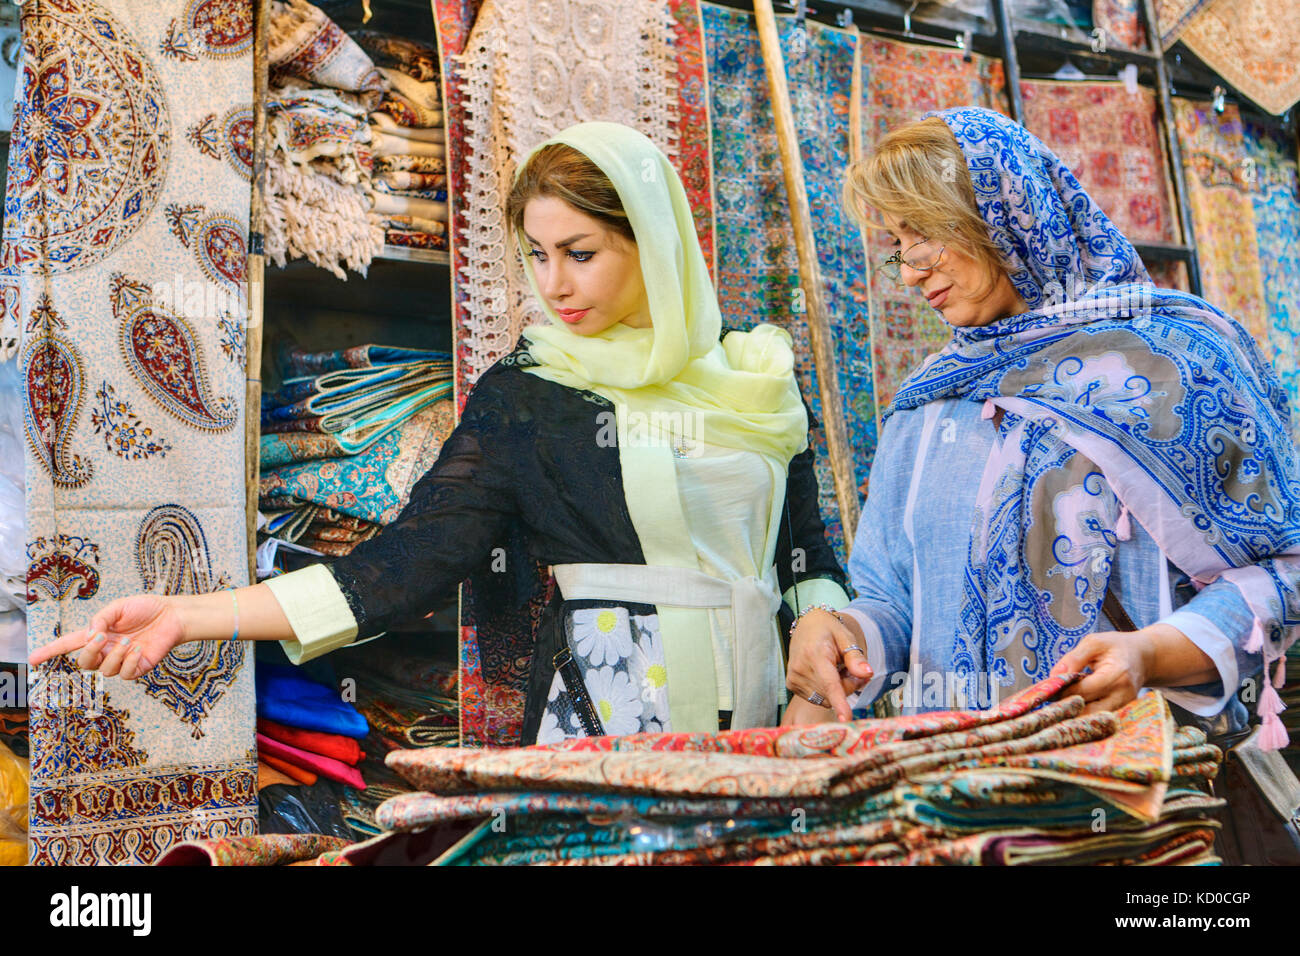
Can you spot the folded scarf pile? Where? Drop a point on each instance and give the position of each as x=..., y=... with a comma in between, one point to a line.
x=1032, y=781
x=319, y=168
x=305, y=730
x=409, y=701
x=409, y=189
x=345, y=439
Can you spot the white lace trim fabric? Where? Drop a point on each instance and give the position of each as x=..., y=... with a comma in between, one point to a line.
x=523, y=84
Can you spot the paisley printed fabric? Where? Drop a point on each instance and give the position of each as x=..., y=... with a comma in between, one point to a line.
x=273, y=849
x=1025, y=784
x=1150, y=392
x=122, y=262
x=621, y=658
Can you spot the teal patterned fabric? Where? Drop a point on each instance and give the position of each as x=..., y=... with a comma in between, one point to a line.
x=758, y=272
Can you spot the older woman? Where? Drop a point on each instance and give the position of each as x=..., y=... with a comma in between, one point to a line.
x=1087, y=450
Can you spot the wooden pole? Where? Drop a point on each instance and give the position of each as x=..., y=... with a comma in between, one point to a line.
x=819, y=335
x=255, y=271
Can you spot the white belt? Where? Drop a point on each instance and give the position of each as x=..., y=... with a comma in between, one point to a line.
x=756, y=654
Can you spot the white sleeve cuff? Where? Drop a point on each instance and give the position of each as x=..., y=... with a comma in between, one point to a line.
x=875, y=657
x=1207, y=636
x=317, y=612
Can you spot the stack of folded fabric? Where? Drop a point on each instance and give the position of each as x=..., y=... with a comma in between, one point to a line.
x=1033, y=781
x=409, y=701
x=409, y=186
x=346, y=438
x=305, y=730
x=319, y=165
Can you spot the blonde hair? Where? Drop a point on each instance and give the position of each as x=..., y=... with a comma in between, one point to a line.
x=565, y=173
x=918, y=174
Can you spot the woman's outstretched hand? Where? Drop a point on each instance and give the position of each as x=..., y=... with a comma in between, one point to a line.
x=126, y=638
x=827, y=658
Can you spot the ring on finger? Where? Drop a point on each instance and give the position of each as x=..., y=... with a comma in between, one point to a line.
x=817, y=700
x=854, y=647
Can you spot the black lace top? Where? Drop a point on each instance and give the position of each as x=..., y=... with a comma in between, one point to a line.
x=523, y=483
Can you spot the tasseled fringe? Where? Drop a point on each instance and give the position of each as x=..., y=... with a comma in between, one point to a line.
x=1272, y=732
x=1123, y=527
x=1255, y=643
x=286, y=26
x=1279, y=673
x=989, y=409
x=310, y=216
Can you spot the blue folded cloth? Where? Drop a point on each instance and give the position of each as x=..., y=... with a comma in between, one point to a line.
x=287, y=696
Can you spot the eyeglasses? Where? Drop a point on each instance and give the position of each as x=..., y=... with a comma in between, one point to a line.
x=923, y=260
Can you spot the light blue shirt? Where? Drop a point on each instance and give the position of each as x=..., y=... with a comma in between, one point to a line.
x=910, y=553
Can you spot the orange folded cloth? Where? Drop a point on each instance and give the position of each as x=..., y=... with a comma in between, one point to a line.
x=337, y=746
x=268, y=776
x=288, y=769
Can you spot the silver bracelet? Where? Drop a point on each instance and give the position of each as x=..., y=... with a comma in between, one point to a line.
x=814, y=607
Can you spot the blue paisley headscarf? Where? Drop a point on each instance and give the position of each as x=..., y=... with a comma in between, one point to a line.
x=1117, y=398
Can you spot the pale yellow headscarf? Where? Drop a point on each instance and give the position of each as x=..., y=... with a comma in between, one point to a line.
x=743, y=390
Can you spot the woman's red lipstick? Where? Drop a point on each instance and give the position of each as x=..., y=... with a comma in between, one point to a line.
x=572, y=316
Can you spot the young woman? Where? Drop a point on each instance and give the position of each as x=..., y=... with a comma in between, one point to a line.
x=661, y=471
x=1086, y=450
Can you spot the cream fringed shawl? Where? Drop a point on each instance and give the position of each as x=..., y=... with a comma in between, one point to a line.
x=319, y=165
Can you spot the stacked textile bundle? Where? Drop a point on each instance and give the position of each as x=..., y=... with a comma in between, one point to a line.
x=1032, y=781
x=409, y=188
x=409, y=702
x=319, y=165
x=305, y=730
x=346, y=437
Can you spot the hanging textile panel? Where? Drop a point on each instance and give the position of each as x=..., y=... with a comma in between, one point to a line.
x=519, y=81
x=902, y=83
x=1252, y=44
x=1110, y=139
x=758, y=267
x=1173, y=16
x=1275, y=196
x=1223, y=218
x=1119, y=18
x=123, y=255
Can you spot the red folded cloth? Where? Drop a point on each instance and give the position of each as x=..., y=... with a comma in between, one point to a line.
x=337, y=746
x=325, y=766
